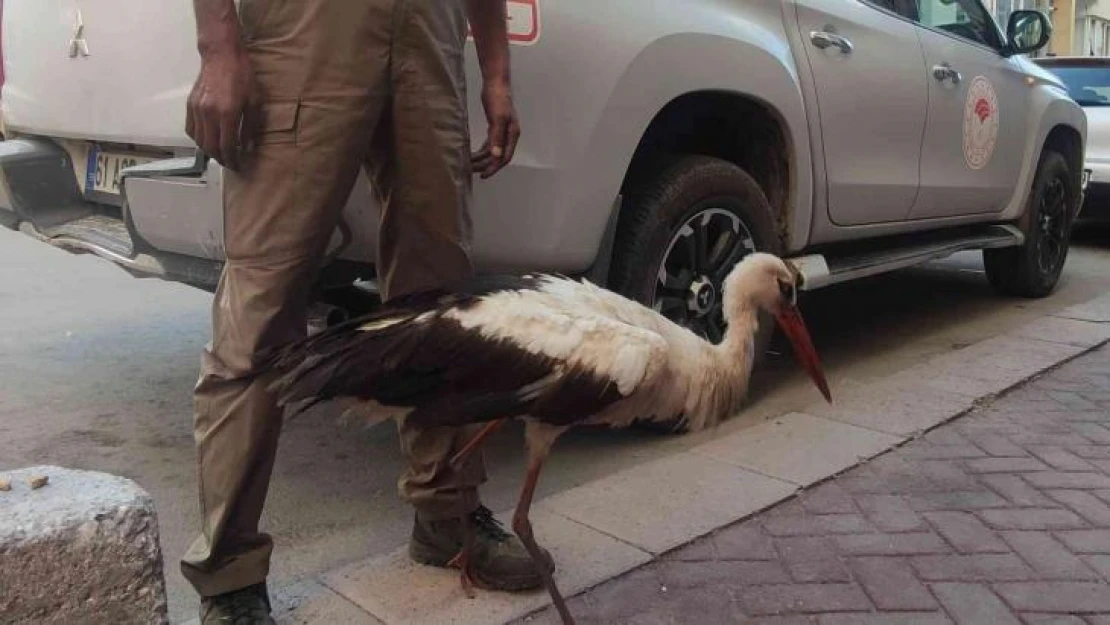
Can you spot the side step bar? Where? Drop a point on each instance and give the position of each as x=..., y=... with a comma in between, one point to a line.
x=821, y=270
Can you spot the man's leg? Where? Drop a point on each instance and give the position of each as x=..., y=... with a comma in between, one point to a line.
x=420, y=168
x=280, y=211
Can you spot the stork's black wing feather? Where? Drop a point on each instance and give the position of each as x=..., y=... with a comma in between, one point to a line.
x=412, y=355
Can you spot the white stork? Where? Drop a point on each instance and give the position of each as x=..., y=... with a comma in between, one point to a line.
x=549, y=350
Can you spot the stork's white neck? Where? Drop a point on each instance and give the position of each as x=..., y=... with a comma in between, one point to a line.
x=718, y=383
x=740, y=335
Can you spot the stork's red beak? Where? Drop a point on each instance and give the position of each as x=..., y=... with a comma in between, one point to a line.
x=790, y=320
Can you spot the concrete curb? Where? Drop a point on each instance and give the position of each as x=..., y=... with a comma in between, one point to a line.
x=607, y=527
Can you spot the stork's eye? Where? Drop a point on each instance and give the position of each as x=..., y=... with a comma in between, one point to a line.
x=788, y=292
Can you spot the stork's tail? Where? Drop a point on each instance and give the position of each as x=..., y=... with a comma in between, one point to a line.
x=319, y=368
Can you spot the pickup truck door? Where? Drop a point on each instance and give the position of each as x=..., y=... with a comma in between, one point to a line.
x=978, y=111
x=868, y=72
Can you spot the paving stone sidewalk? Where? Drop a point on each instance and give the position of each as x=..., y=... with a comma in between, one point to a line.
x=999, y=517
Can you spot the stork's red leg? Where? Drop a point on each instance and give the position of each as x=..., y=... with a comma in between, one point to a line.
x=462, y=560
x=473, y=444
x=523, y=528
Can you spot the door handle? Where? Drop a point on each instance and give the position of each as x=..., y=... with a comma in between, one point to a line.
x=944, y=72
x=824, y=39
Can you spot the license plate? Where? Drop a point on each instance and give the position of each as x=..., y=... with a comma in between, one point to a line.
x=102, y=174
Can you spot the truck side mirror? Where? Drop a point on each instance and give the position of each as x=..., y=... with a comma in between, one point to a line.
x=1027, y=31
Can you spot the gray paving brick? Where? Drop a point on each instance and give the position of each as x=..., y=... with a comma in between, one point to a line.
x=946, y=436
x=829, y=498
x=899, y=484
x=699, y=550
x=1056, y=597
x=1035, y=438
x=1048, y=556
x=927, y=451
x=1100, y=563
x=802, y=598
x=1086, y=541
x=997, y=445
x=812, y=559
x=972, y=604
x=1073, y=400
x=973, y=568
x=816, y=525
x=1091, y=451
x=905, y=618
x=1057, y=479
x=890, y=513
x=1093, y=432
x=1016, y=490
x=726, y=572
x=626, y=596
x=966, y=532
x=910, y=544
x=1060, y=458
x=1005, y=465
x=1031, y=519
x=1085, y=504
x=697, y=605
x=1052, y=619
x=743, y=542
x=891, y=584
x=958, y=500
x=947, y=475
x=792, y=619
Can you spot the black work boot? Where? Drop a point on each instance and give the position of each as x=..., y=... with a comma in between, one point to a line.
x=246, y=606
x=498, y=561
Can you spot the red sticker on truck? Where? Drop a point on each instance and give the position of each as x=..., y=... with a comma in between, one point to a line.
x=523, y=22
x=980, y=123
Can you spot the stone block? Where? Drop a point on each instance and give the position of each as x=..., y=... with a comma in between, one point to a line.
x=83, y=548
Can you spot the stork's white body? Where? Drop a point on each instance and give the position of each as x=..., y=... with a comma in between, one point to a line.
x=662, y=370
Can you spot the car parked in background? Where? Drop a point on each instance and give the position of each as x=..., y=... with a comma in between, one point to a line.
x=1088, y=82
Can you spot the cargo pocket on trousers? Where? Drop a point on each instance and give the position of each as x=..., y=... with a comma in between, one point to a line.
x=278, y=123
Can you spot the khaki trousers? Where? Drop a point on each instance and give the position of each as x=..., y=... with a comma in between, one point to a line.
x=377, y=84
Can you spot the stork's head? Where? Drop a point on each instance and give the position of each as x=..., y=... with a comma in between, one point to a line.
x=765, y=282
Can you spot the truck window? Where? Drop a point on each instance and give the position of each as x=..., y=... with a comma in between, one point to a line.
x=966, y=19
x=905, y=8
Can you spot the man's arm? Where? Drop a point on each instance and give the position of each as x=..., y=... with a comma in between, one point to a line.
x=491, y=38
x=224, y=104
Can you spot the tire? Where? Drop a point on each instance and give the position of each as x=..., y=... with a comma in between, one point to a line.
x=663, y=203
x=1033, y=269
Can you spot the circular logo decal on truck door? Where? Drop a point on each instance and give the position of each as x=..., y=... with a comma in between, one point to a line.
x=980, y=123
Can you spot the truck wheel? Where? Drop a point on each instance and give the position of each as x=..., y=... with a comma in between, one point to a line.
x=685, y=225
x=1033, y=269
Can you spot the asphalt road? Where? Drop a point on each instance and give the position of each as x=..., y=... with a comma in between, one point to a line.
x=97, y=368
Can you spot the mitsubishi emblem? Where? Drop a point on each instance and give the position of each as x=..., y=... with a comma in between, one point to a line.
x=78, y=45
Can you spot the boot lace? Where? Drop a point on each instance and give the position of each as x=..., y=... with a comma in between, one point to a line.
x=487, y=524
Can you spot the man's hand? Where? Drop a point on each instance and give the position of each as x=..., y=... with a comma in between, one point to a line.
x=224, y=107
x=488, y=23
x=504, y=130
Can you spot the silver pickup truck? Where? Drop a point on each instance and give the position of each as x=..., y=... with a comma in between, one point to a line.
x=662, y=142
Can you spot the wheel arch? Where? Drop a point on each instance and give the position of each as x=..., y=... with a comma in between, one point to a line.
x=731, y=126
